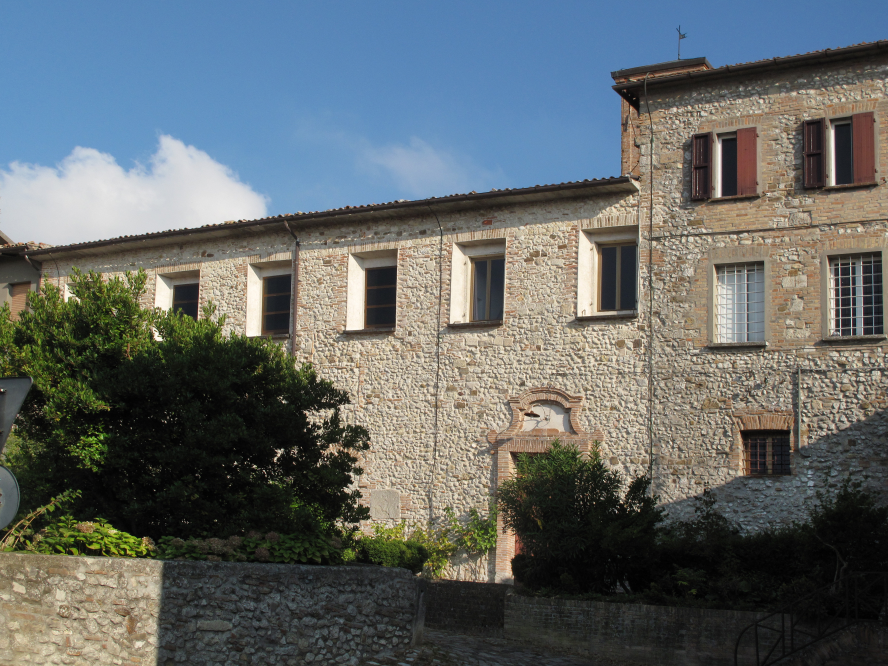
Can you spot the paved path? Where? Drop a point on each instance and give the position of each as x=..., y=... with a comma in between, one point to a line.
x=443, y=648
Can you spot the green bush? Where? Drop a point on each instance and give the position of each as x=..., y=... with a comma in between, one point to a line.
x=69, y=536
x=255, y=547
x=188, y=432
x=392, y=553
x=578, y=532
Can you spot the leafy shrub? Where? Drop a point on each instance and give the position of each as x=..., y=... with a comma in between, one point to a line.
x=393, y=553
x=255, y=547
x=68, y=536
x=579, y=534
x=191, y=432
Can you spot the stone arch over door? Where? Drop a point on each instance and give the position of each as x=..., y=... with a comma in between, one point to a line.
x=538, y=416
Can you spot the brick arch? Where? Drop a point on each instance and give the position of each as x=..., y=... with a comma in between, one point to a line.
x=522, y=403
x=759, y=420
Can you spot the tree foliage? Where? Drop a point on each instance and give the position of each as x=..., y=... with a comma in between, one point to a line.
x=169, y=427
x=577, y=530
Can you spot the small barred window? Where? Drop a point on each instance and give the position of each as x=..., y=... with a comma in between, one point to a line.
x=767, y=452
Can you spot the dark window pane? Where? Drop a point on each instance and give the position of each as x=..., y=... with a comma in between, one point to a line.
x=382, y=277
x=277, y=323
x=780, y=454
x=381, y=296
x=757, y=455
x=381, y=316
x=187, y=309
x=279, y=284
x=497, y=288
x=844, y=165
x=628, y=279
x=277, y=303
x=185, y=299
x=728, y=167
x=479, y=291
x=608, y=279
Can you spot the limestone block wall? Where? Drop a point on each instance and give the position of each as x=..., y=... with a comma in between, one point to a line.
x=92, y=610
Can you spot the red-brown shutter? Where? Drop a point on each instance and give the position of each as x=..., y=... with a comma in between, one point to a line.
x=747, y=162
x=812, y=165
x=701, y=166
x=19, y=294
x=863, y=130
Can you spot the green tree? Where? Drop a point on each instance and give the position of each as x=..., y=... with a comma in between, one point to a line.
x=169, y=427
x=576, y=529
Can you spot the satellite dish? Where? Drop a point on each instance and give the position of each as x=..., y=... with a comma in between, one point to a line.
x=12, y=394
x=9, y=497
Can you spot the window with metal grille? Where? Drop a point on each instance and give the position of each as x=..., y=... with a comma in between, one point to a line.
x=276, y=305
x=185, y=299
x=767, y=452
x=617, y=277
x=740, y=307
x=488, y=288
x=379, y=300
x=855, y=295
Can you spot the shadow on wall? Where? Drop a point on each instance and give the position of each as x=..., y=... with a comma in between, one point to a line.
x=87, y=610
x=844, y=434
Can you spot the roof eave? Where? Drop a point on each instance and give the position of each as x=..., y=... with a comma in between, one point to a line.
x=634, y=89
x=618, y=185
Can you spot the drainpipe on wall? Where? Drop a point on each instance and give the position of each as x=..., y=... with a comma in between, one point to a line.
x=294, y=292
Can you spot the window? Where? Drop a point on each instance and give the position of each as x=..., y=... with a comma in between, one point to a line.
x=185, y=299
x=478, y=282
x=617, y=277
x=733, y=168
x=276, y=304
x=380, y=305
x=855, y=295
x=488, y=284
x=371, y=300
x=840, y=151
x=767, y=452
x=740, y=303
x=18, y=299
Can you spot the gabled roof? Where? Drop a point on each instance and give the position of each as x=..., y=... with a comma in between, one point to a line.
x=632, y=90
x=400, y=208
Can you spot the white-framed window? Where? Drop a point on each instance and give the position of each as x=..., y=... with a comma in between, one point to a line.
x=269, y=296
x=856, y=295
x=371, y=301
x=740, y=303
x=841, y=144
x=478, y=282
x=607, y=272
x=178, y=291
x=726, y=165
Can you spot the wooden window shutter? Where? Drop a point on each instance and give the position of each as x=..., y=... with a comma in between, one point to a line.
x=863, y=128
x=813, y=163
x=701, y=166
x=19, y=294
x=747, y=161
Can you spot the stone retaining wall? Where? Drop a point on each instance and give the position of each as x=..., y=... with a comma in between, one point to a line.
x=86, y=610
x=466, y=607
x=628, y=633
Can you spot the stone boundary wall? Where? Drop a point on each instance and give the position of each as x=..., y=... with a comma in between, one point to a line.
x=95, y=610
x=627, y=633
x=466, y=607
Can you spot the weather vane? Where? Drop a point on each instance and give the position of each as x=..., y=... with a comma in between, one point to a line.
x=681, y=36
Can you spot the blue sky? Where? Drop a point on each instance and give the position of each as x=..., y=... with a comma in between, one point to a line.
x=132, y=117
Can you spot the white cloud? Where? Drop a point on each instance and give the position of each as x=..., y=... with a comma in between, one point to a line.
x=88, y=196
x=422, y=171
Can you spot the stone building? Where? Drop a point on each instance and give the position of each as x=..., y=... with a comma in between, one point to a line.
x=712, y=317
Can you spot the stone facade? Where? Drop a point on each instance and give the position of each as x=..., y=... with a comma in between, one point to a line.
x=101, y=610
x=447, y=401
